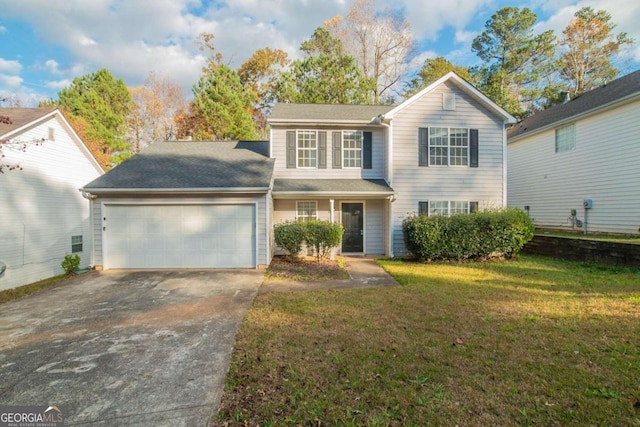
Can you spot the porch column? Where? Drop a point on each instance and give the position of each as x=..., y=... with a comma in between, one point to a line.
x=331, y=210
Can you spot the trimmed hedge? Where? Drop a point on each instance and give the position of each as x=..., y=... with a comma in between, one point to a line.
x=474, y=236
x=321, y=235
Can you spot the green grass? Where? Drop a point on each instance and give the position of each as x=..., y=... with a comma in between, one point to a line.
x=577, y=234
x=21, y=291
x=535, y=341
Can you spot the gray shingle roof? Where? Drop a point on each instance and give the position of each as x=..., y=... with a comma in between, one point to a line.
x=327, y=112
x=191, y=165
x=359, y=186
x=20, y=117
x=601, y=96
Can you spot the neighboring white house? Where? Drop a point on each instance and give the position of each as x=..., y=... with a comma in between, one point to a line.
x=583, y=152
x=43, y=215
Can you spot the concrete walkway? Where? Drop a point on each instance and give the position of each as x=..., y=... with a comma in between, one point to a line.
x=363, y=273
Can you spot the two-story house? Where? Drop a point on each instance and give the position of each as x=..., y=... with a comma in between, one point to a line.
x=442, y=151
x=214, y=204
x=575, y=165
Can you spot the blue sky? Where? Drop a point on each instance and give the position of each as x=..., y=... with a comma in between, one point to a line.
x=46, y=43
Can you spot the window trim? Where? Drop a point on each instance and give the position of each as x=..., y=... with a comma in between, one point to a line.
x=570, y=127
x=430, y=203
x=298, y=148
x=304, y=218
x=361, y=149
x=449, y=146
x=77, y=244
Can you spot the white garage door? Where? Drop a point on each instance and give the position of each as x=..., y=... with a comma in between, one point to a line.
x=179, y=236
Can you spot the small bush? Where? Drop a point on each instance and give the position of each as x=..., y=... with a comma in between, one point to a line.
x=479, y=235
x=70, y=263
x=290, y=236
x=323, y=236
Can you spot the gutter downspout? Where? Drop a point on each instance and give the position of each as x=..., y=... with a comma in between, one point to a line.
x=504, y=164
x=92, y=254
x=389, y=127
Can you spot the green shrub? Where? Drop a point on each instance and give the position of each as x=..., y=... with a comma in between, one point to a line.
x=478, y=235
x=323, y=236
x=70, y=263
x=290, y=236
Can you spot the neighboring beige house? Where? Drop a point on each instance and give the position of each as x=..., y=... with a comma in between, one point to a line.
x=583, y=152
x=43, y=216
x=214, y=204
x=442, y=151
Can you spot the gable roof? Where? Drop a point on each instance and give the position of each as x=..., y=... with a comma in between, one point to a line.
x=191, y=166
x=287, y=113
x=606, y=96
x=283, y=113
x=463, y=85
x=22, y=118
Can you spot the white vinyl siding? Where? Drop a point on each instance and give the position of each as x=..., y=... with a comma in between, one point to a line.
x=379, y=160
x=413, y=183
x=351, y=149
x=41, y=205
x=603, y=167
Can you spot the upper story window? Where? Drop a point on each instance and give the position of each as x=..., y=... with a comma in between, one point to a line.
x=352, y=149
x=307, y=148
x=448, y=146
x=444, y=146
x=565, y=138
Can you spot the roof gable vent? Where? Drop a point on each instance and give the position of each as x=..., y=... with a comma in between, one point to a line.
x=448, y=101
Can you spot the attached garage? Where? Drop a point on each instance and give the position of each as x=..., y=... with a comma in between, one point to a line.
x=180, y=236
x=181, y=204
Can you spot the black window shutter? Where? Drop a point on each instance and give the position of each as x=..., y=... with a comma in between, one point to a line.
x=322, y=150
x=337, y=150
x=423, y=208
x=473, y=207
x=473, y=148
x=367, y=150
x=423, y=147
x=291, y=149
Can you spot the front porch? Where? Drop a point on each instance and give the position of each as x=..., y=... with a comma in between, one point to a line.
x=361, y=206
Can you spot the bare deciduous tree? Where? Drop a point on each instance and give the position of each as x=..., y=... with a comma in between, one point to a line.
x=379, y=41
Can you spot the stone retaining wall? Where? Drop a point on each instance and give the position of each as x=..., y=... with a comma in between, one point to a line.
x=611, y=253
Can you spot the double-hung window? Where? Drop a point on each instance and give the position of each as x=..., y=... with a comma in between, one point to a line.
x=448, y=146
x=306, y=211
x=352, y=149
x=444, y=146
x=307, y=148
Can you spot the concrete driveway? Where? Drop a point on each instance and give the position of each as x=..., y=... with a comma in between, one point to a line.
x=125, y=347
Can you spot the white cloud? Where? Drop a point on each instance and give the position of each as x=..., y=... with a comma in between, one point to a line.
x=10, y=81
x=59, y=84
x=3, y=29
x=465, y=37
x=52, y=66
x=12, y=67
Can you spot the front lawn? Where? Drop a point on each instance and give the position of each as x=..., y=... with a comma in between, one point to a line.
x=536, y=341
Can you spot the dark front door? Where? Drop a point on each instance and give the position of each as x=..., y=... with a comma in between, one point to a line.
x=352, y=221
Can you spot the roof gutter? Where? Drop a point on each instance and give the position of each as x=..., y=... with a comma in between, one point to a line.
x=313, y=122
x=97, y=191
x=307, y=194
